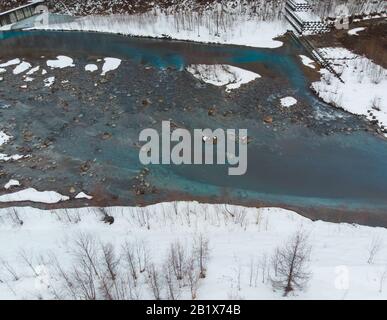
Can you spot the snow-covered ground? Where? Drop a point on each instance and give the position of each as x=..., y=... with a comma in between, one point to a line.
x=288, y=102
x=364, y=89
x=222, y=75
x=307, y=61
x=247, y=30
x=241, y=242
x=355, y=31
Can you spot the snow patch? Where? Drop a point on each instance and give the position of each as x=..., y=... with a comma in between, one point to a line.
x=110, y=65
x=61, y=62
x=11, y=183
x=33, y=195
x=10, y=63
x=355, y=31
x=49, y=81
x=22, y=67
x=83, y=195
x=222, y=75
x=307, y=61
x=29, y=79
x=4, y=138
x=33, y=70
x=288, y=102
x=91, y=67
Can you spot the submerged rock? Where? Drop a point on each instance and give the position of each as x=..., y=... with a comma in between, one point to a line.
x=268, y=119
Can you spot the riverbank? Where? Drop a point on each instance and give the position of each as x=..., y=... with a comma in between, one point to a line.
x=189, y=26
x=358, y=55
x=238, y=245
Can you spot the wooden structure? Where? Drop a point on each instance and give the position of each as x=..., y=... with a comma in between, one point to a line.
x=20, y=13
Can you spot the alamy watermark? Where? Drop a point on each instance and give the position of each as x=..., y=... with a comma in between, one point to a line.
x=204, y=146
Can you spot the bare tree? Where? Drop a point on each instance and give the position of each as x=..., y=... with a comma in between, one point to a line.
x=177, y=258
x=173, y=286
x=374, y=247
x=86, y=251
x=14, y=216
x=193, y=276
x=263, y=264
x=383, y=276
x=9, y=269
x=291, y=264
x=275, y=261
x=154, y=281
x=201, y=251
x=136, y=256
x=28, y=260
x=109, y=273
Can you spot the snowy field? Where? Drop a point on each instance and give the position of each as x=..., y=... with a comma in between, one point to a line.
x=204, y=27
x=43, y=255
x=364, y=89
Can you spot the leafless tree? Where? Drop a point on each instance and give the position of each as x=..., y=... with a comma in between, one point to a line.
x=86, y=251
x=201, y=251
x=275, y=261
x=374, y=248
x=193, y=277
x=14, y=216
x=291, y=262
x=136, y=256
x=28, y=260
x=97, y=272
x=383, y=276
x=264, y=267
x=177, y=258
x=173, y=286
x=154, y=281
x=9, y=269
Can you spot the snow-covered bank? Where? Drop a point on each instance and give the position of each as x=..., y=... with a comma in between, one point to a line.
x=222, y=75
x=204, y=27
x=364, y=89
x=241, y=241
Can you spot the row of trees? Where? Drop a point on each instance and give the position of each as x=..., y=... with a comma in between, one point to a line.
x=264, y=9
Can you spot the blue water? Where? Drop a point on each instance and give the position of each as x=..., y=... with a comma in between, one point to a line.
x=295, y=166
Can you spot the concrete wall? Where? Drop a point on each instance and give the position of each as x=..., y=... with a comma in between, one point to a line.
x=18, y=14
